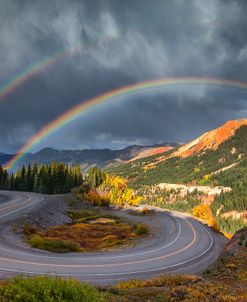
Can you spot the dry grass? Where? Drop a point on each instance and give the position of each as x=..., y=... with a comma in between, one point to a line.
x=85, y=237
x=172, y=289
x=102, y=220
x=91, y=237
x=160, y=281
x=90, y=231
x=2, y=283
x=232, y=272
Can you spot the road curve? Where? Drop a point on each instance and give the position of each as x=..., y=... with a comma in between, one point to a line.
x=182, y=244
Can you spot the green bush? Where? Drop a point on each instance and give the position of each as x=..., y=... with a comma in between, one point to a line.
x=45, y=289
x=141, y=230
x=53, y=245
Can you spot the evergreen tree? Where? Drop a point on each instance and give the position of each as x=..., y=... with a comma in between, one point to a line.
x=28, y=179
x=22, y=185
x=49, y=179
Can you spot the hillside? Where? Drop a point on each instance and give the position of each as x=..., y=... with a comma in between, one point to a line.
x=219, y=161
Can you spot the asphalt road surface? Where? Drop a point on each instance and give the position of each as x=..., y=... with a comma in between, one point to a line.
x=181, y=244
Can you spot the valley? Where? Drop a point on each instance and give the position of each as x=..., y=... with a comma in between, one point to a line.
x=87, y=158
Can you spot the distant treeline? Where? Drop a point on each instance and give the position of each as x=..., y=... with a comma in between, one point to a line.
x=49, y=179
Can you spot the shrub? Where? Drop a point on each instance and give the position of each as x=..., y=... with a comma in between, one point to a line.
x=53, y=245
x=84, y=188
x=36, y=241
x=146, y=211
x=29, y=229
x=45, y=289
x=98, y=199
x=141, y=230
x=204, y=212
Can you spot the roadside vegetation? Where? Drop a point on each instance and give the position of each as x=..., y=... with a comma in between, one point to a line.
x=45, y=289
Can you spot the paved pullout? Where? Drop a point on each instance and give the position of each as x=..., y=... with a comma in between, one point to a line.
x=181, y=244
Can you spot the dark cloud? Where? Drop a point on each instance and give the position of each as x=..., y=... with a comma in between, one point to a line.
x=122, y=42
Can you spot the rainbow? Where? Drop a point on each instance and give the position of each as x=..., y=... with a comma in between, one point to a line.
x=37, y=68
x=129, y=90
x=40, y=66
x=30, y=72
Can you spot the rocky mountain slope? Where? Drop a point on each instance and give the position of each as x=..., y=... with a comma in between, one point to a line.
x=211, y=140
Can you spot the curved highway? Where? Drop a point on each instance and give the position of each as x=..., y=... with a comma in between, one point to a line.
x=181, y=244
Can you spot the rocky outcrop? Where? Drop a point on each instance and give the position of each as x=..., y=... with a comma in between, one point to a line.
x=184, y=189
x=152, y=151
x=237, y=243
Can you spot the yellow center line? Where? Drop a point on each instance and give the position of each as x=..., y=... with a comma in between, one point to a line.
x=108, y=265
x=16, y=204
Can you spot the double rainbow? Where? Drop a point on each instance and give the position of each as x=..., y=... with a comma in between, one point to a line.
x=141, y=87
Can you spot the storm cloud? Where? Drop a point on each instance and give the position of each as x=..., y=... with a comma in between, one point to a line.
x=121, y=43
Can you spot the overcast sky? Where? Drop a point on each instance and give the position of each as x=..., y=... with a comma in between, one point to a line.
x=122, y=42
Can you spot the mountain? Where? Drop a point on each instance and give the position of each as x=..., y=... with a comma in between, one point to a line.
x=4, y=158
x=87, y=157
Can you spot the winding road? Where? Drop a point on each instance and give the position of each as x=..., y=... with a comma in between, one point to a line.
x=181, y=244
